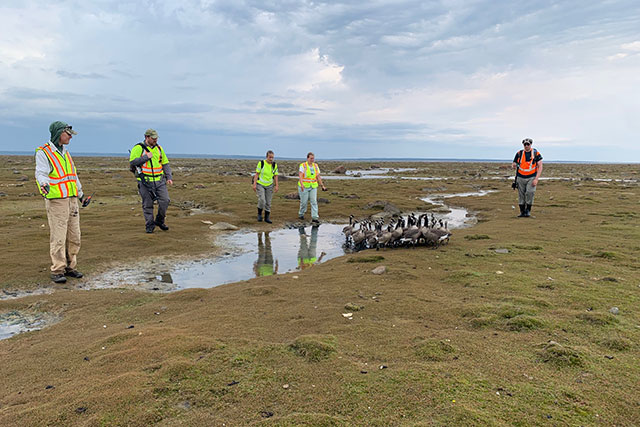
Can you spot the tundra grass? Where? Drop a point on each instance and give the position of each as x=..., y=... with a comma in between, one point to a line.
x=460, y=335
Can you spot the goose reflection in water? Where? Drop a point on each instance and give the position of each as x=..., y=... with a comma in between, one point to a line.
x=307, y=252
x=265, y=264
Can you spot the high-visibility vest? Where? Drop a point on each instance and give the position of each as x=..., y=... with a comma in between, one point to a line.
x=528, y=168
x=266, y=172
x=62, y=177
x=152, y=169
x=309, y=176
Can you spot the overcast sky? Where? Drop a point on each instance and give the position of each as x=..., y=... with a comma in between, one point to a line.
x=380, y=78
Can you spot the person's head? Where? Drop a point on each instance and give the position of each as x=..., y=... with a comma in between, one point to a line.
x=270, y=156
x=151, y=137
x=311, y=157
x=527, y=143
x=61, y=133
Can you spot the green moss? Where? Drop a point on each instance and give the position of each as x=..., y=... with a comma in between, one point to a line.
x=560, y=356
x=373, y=258
x=477, y=237
x=523, y=323
x=314, y=348
x=598, y=319
x=434, y=350
x=616, y=343
x=353, y=307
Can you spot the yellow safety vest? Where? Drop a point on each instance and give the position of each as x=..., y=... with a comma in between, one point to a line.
x=62, y=177
x=310, y=176
x=152, y=169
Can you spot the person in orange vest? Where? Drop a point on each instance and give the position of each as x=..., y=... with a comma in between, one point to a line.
x=58, y=183
x=308, y=181
x=150, y=165
x=528, y=163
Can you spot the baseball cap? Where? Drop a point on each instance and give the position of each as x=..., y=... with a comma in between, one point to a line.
x=151, y=132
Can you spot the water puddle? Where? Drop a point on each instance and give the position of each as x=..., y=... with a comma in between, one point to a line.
x=16, y=322
x=259, y=254
x=456, y=217
x=379, y=173
x=6, y=295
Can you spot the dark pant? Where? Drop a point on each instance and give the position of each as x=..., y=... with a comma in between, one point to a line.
x=160, y=188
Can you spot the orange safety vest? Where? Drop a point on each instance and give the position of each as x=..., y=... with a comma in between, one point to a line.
x=528, y=168
x=310, y=176
x=63, y=178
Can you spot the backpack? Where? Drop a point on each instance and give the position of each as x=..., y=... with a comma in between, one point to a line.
x=274, y=166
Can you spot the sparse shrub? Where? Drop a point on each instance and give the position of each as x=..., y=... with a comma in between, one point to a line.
x=353, y=307
x=523, y=323
x=477, y=237
x=616, y=343
x=605, y=255
x=598, y=319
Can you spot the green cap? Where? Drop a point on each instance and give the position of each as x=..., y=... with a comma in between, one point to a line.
x=152, y=133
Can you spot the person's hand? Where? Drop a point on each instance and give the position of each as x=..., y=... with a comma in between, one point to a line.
x=534, y=182
x=170, y=181
x=324, y=188
x=45, y=188
x=275, y=190
x=255, y=187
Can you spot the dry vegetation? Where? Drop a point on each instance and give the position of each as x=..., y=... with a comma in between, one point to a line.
x=462, y=335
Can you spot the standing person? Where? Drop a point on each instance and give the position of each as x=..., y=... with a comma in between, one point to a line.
x=307, y=253
x=263, y=185
x=59, y=184
x=308, y=180
x=528, y=163
x=150, y=164
x=265, y=265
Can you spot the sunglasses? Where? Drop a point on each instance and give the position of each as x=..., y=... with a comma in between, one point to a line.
x=526, y=143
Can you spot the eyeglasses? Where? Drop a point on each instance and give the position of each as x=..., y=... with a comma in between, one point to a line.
x=526, y=143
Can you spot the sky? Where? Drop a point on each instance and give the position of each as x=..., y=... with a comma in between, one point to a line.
x=344, y=79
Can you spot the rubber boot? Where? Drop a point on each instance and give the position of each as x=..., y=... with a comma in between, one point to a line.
x=522, y=211
x=266, y=217
x=527, y=211
x=259, y=215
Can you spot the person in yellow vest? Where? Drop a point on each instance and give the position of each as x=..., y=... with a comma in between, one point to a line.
x=265, y=183
x=265, y=265
x=528, y=163
x=308, y=181
x=58, y=183
x=150, y=164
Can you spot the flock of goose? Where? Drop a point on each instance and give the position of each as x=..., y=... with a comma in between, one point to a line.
x=412, y=231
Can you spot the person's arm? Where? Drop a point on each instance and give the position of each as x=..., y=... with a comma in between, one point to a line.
x=300, y=179
x=320, y=181
x=168, y=173
x=43, y=168
x=275, y=190
x=515, y=164
x=139, y=156
x=538, y=173
x=255, y=181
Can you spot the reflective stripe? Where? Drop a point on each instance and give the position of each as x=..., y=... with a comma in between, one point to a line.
x=313, y=182
x=531, y=166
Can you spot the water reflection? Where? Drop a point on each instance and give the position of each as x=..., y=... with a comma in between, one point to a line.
x=265, y=265
x=308, y=248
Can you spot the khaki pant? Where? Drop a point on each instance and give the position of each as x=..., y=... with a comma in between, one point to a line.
x=64, y=226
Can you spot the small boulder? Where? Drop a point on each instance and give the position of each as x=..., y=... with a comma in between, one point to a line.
x=223, y=226
x=340, y=169
x=292, y=196
x=614, y=310
x=323, y=200
x=379, y=270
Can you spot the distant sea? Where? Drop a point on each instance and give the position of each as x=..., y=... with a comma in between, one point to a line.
x=359, y=159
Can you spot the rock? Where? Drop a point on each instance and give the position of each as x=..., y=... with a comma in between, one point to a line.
x=586, y=178
x=340, y=169
x=206, y=222
x=199, y=186
x=374, y=167
x=614, y=310
x=323, y=200
x=351, y=196
x=353, y=307
x=292, y=196
x=501, y=251
x=3, y=194
x=16, y=172
x=381, y=215
x=266, y=414
x=357, y=175
x=222, y=226
x=81, y=410
x=384, y=205
x=379, y=270
x=23, y=178
x=286, y=386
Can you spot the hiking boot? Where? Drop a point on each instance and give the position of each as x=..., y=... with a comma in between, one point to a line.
x=522, y=211
x=260, y=215
x=150, y=230
x=527, y=211
x=161, y=225
x=58, y=278
x=315, y=221
x=266, y=217
x=73, y=273
x=301, y=217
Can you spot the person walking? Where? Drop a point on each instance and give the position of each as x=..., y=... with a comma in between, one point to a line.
x=58, y=183
x=307, y=255
x=308, y=180
x=265, y=183
x=528, y=165
x=150, y=165
x=265, y=265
